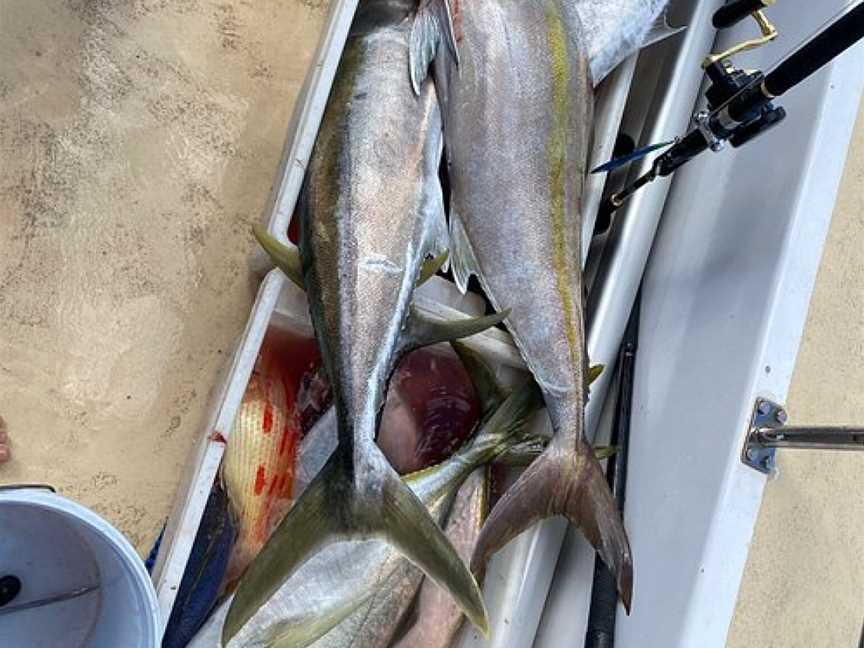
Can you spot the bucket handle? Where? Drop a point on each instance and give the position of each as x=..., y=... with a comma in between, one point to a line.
x=13, y=487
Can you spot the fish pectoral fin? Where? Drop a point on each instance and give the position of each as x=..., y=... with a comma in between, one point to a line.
x=433, y=23
x=285, y=257
x=594, y=372
x=407, y=525
x=661, y=29
x=571, y=484
x=423, y=331
x=308, y=526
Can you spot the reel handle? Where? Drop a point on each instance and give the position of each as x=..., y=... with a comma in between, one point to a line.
x=736, y=11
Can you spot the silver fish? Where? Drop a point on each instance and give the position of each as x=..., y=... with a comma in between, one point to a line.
x=317, y=446
x=372, y=209
x=353, y=593
x=437, y=620
x=517, y=103
x=612, y=30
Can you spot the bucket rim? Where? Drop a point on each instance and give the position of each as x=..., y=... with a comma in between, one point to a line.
x=45, y=496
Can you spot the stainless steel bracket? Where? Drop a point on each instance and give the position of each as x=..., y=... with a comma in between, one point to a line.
x=768, y=431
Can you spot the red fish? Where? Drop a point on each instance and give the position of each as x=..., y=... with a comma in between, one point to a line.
x=260, y=456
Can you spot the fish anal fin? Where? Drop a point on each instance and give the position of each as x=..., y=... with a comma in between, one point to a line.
x=432, y=266
x=594, y=372
x=565, y=483
x=489, y=392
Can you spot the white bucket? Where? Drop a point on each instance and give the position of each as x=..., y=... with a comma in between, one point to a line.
x=60, y=550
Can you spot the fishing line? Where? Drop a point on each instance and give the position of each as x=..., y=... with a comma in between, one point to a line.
x=49, y=600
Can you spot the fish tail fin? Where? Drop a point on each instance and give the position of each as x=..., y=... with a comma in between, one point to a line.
x=341, y=504
x=565, y=483
x=407, y=525
x=309, y=525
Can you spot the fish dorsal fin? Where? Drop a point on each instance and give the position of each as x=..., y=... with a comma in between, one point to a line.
x=462, y=258
x=433, y=23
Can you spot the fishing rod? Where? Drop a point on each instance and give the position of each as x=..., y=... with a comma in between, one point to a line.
x=741, y=102
x=600, y=631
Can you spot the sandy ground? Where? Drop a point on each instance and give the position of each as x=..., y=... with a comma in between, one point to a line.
x=138, y=140
x=804, y=582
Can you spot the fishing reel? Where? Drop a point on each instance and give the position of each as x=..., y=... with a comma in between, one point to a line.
x=740, y=103
x=728, y=81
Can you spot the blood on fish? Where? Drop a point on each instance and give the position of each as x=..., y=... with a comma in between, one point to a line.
x=267, y=423
x=260, y=458
x=430, y=412
x=259, y=480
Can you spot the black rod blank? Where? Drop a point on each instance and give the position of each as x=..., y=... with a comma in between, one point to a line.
x=832, y=42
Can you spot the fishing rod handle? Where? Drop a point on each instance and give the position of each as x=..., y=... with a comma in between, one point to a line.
x=600, y=632
x=736, y=11
x=837, y=38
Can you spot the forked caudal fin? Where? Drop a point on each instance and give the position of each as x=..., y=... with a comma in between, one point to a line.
x=565, y=483
x=337, y=507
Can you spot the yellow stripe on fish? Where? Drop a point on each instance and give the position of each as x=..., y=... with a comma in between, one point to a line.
x=557, y=170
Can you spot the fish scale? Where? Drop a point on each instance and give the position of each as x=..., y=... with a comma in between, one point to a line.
x=258, y=466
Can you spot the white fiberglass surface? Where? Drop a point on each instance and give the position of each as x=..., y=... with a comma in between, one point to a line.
x=724, y=303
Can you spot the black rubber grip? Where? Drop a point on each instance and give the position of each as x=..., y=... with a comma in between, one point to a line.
x=736, y=11
x=840, y=36
x=604, y=604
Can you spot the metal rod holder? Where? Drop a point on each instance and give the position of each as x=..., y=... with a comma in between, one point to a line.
x=768, y=431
